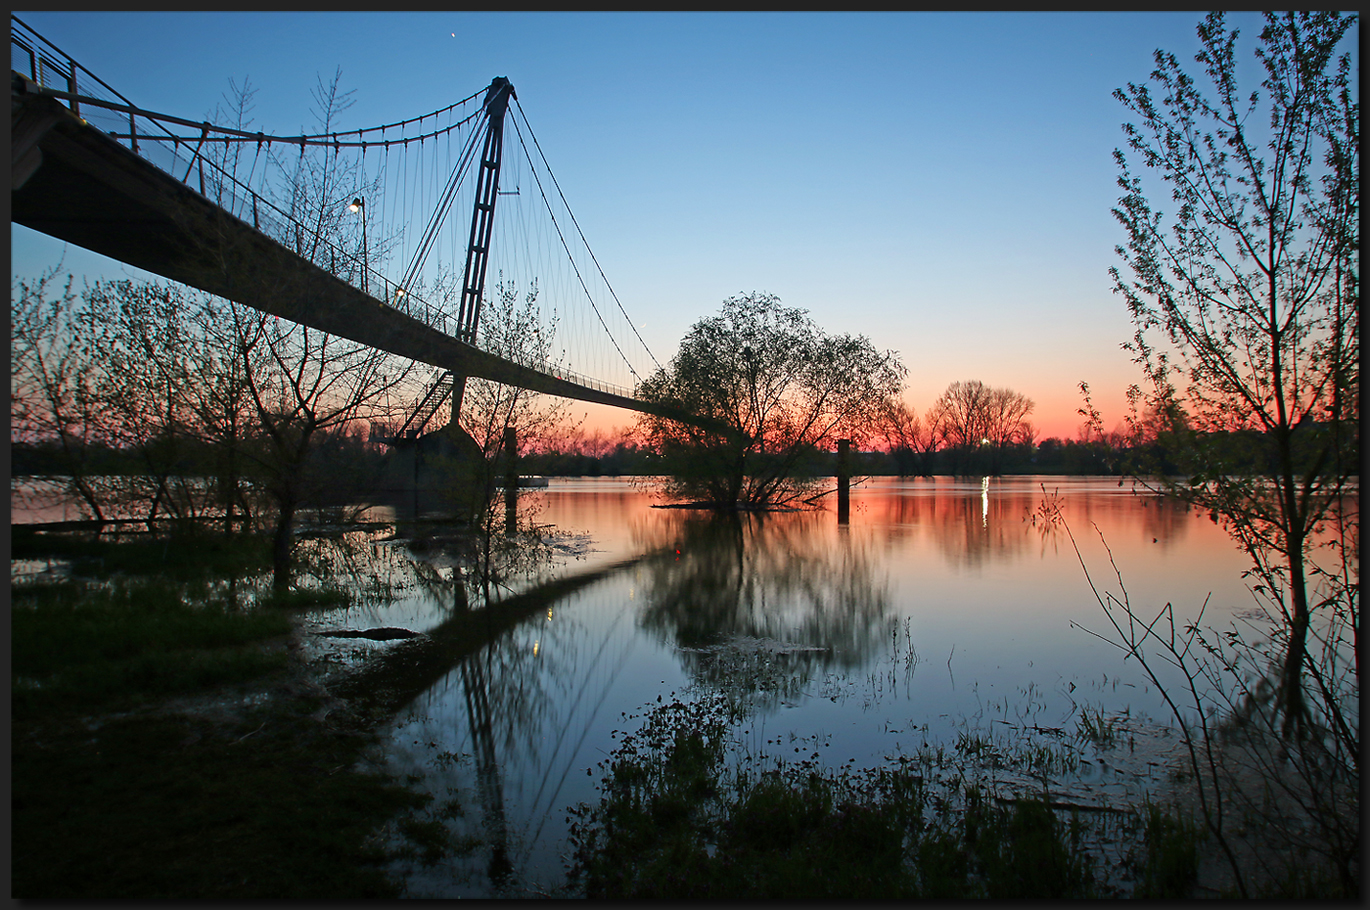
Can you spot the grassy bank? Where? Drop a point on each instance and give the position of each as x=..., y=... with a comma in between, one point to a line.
x=167, y=743
x=684, y=814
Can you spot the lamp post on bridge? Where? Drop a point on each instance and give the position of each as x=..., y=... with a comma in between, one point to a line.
x=359, y=205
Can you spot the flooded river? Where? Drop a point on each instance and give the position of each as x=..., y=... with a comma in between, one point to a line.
x=943, y=607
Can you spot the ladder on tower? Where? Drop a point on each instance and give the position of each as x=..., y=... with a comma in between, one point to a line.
x=437, y=396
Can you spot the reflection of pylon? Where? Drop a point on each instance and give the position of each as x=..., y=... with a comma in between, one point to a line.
x=489, y=784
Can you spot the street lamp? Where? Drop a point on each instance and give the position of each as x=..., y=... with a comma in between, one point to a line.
x=359, y=205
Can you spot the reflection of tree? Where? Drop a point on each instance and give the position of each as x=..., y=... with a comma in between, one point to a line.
x=977, y=524
x=972, y=524
x=774, y=588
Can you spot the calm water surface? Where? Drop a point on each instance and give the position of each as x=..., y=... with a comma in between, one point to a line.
x=941, y=607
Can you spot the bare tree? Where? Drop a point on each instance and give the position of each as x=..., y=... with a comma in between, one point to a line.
x=56, y=350
x=303, y=382
x=299, y=384
x=980, y=422
x=1245, y=298
x=911, y=440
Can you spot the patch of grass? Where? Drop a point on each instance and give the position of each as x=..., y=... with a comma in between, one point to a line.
x=1171, y=861
x=1097, y=729
x=232, y=802
x=173, y=806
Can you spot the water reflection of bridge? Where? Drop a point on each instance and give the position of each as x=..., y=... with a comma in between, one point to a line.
x=515, y=694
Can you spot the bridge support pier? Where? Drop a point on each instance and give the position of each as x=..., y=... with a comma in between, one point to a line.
x=511, y=481
x=441, y=473
x=843, y=481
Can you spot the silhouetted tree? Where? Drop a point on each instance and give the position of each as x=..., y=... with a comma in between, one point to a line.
x=909, y=439
x=56, y=352
x=511, y=326
x=978, y=423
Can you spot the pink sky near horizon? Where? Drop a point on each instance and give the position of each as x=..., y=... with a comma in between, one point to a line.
x=1051, y=418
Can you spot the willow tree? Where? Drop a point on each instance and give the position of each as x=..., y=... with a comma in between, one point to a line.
x=787, y=390
x=1245, y=296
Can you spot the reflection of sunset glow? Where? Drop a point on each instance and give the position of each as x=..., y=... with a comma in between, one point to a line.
x=916, y=617
x=984, y=502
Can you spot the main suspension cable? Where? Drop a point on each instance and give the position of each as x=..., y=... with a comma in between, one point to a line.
x=582, y=235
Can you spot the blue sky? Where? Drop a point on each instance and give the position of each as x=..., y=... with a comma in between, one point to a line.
x=938, y=182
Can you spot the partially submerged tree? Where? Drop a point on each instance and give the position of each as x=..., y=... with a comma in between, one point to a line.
x=147, y=378
x=787, y=389
x=511, y=326
x=302, y=384
x=1245, y=298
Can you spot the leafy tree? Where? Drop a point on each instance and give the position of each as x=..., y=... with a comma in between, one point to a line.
x=512, y=328
x=1245, y=297
x=785, y=388
x=220, y=402
x=146, y=380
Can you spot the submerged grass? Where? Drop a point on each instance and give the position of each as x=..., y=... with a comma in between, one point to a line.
x=681, y=815
x=79, y=644
x=187, y=552
x=166, y=744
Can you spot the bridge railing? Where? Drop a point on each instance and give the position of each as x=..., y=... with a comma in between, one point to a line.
x=193, y=163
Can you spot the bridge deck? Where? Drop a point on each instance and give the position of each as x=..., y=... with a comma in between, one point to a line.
x=92, y=191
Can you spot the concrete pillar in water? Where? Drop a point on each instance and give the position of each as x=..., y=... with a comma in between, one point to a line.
x=843, y=481
x=511, y=480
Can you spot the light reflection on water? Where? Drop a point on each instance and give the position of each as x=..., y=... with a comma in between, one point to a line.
x=942, y=607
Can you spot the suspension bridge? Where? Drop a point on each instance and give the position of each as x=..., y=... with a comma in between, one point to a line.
x=323, y=228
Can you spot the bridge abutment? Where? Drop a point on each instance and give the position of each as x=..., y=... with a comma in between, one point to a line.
x=442, y=474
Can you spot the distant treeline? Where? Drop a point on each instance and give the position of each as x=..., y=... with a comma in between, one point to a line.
x=342, y=466
x=1248, y=452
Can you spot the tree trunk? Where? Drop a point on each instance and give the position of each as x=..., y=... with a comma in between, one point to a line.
x=1291, y=676
x=228, y=489
x=282, y=544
